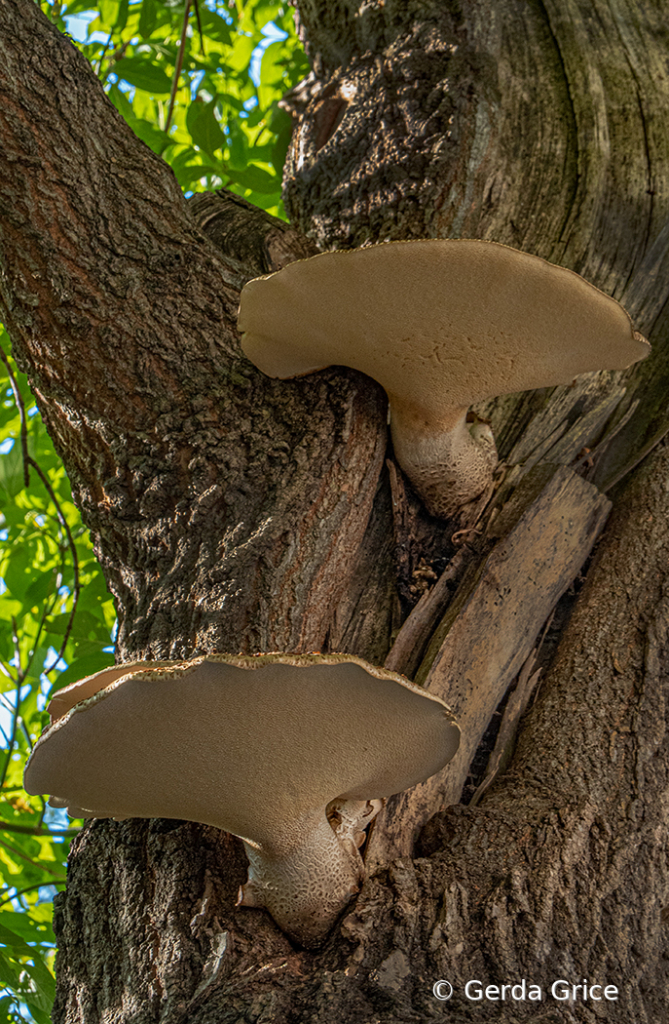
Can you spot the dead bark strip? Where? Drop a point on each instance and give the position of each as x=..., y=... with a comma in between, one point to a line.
x=514, y=709
x=489, y=630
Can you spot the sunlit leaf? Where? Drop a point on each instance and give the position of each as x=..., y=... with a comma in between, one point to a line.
x=11, y=474
x=144, y=74
x=214, y=26
x=114, y=13
x=148, y=18
x=85, y=666
x=204, y=129
x=255, y=178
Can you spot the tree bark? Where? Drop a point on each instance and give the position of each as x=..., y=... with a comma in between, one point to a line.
x=235, y=513
x=186, y=469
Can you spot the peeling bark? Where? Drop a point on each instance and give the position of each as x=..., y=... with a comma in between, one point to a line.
x=489, y=630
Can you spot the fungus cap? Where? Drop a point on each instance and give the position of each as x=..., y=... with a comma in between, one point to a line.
x=440, y=323
x=258, y=747
x=65, y=699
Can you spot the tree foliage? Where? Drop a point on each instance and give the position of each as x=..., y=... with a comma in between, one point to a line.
x=200, y=84
x=210, y=108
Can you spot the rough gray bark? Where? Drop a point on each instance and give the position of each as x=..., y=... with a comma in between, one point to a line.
x=186, y=463
x=235, y=513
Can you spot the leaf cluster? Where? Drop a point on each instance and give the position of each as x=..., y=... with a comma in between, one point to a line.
x=56, y=622
x=199, y=81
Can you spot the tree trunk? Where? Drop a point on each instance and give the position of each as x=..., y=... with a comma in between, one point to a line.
x=235, y=513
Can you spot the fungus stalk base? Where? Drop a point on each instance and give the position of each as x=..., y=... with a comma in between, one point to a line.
x=306, y=888
x=448, y=463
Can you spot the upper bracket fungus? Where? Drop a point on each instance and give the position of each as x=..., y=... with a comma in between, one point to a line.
x=441, y=324
x=292, y=753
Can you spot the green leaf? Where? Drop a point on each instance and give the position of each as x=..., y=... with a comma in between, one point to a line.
x=204, y=129
x=40, y=588
x=194, y=173
x=58, y=624
x=11, y=472
x=39, y=1016
x=82, y=667
x=17, y=572
x=78, y=6
x=13, y=941
x=148, y=18
x=121, y=101
x=143, y=74
x=214, y=26
x=189, y=167
x=9, y=972
x=255, y=178
x=26, y=927
x=154, y=138
x=258, y=14
x=239, y=58
x=44, y=987
x=109, y=12
x=238, y=146
x=85, y=626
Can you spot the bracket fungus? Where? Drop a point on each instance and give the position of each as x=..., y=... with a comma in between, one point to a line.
x=440, y=324
x=292, y=753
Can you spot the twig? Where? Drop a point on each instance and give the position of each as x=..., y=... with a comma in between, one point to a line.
x=506, y=737
x=30, y=888
x=646, y=450
x=606, y=440
x=40, y=627
x=117, y=55
x=103, y=55
x=15, y=709
x=3, y=698
x=196, y=5
x=418, y=626
x=27, y=735
x=22, y=415
x=31, y=860
x=178, y=67
x=73, y=551
x=37, y=830
x=28, y=462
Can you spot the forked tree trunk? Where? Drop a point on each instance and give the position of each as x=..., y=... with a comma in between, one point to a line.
x=235, y=513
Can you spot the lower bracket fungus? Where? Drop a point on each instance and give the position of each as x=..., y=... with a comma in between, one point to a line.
x=292, y=753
